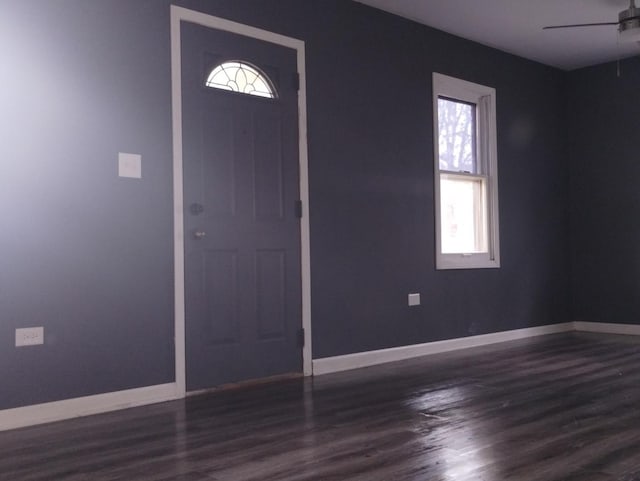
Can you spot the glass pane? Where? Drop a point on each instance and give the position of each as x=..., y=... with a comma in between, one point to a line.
x=463, y=215
x=242, y=78
x=457, y=136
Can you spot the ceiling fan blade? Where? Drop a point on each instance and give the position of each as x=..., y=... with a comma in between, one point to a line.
x=580, y=25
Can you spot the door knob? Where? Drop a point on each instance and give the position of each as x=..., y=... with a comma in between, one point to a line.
x=199, y=234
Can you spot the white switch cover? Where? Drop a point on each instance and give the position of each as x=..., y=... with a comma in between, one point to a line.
x=129, y=165
x=414, y=299
x=29, y=336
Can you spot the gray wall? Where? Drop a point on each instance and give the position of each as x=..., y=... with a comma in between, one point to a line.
x=88, y=255
x=605, y=195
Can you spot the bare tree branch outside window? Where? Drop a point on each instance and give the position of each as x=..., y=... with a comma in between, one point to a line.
x=456, y=127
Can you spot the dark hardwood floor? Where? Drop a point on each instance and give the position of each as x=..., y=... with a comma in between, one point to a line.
x=560, y=407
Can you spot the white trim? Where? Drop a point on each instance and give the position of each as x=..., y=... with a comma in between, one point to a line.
x=178, y=15
x=329, y=365
x=487, y=154
x=606, y=328
x=178, y=206
x=305, y=230
x=86, y=406
x=101, y=403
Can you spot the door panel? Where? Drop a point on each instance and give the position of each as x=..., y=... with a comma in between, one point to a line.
x=220, y=269
x=269, y=193
x=242, y=238
x=271, y=298
x=219, y=177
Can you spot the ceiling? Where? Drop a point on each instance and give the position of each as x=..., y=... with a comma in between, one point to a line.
x=515, y=26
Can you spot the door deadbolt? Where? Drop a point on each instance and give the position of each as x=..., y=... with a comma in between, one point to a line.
x=196, y=209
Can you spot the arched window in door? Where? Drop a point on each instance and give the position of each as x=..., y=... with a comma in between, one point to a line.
x=237, y=76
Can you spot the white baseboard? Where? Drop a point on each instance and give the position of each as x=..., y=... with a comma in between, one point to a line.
x=606, y=328
x=370, y=358
x=85, y=406
x=102, y=403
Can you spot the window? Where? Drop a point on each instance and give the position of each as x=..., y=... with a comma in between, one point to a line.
x=466, y=175
x=240, y=77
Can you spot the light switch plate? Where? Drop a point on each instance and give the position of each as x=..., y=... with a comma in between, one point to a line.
x=414, y=299
x=130, y=165
x=29, y=336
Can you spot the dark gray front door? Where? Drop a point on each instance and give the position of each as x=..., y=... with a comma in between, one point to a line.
x=242, y=234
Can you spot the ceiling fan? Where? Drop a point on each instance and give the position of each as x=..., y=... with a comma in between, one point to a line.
x=628, y=23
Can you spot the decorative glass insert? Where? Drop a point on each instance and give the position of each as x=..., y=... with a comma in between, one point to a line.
x=240, y=77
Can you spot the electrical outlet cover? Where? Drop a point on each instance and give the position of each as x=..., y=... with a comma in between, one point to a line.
x=414, y=299
x=29, y=336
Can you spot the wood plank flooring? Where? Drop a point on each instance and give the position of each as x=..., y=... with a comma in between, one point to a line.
x=560, y=407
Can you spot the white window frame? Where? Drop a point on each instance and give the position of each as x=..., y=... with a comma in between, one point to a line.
x=484, y=98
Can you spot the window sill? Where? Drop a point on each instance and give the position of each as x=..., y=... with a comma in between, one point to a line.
x=460, y=261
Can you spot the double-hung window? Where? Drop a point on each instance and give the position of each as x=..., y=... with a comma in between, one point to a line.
x=466, y=174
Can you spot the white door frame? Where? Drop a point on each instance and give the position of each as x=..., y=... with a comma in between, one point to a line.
x=178, y=15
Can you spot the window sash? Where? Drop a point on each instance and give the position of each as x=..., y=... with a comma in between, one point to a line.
x=457, y=134
x=463, y=225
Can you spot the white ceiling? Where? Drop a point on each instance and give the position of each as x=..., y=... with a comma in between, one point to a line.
x=515, y=26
